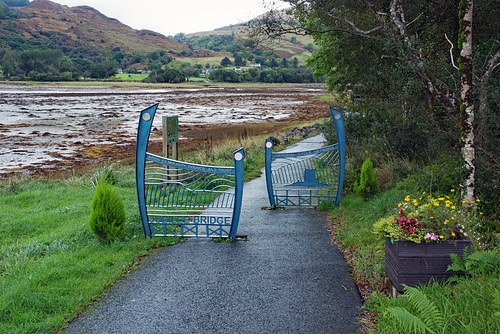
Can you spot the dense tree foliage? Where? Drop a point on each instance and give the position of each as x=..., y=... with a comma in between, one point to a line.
x=397, y=62
x=16, y=3
x=168, y=74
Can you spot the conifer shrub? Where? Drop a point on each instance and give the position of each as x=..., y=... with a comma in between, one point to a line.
x=107, y=213
x=368, y=184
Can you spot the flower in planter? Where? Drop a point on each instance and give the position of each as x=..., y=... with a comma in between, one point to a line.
x=430, y=219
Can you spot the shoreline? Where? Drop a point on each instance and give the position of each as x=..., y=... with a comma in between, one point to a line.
x=185, y=85
x=98, y=139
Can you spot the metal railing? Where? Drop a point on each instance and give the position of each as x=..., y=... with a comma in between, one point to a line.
x=307, y=178
x=184, y=199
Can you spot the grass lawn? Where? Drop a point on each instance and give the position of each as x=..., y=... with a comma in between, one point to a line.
x=52, y=266
x=129, y=77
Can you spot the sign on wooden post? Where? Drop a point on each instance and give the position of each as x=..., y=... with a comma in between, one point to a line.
x=170, y=126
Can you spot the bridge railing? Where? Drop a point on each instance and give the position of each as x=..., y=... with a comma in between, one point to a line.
x=310, y=177
x=184, y=199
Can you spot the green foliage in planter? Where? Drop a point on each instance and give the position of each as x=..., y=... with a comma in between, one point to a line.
x=107, y=216
x=368, y=184
x=386, y=227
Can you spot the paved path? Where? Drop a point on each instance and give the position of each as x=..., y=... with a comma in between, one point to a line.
x=286, y=278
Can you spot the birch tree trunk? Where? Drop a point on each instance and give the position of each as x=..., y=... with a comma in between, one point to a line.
x=467, y=99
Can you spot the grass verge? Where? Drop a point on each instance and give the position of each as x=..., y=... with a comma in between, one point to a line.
x=471, y=305
x=52, y=266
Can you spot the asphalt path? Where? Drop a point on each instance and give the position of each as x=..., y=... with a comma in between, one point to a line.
x=287, y=277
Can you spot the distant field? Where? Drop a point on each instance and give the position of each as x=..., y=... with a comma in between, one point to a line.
x=213, y=61
x=129, y=77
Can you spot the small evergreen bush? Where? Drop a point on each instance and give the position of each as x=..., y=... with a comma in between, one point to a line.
x=368, y=184
x=107, y=215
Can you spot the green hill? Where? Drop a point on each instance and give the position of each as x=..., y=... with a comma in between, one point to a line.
x=46, y=41
x=89, y=26
x=223, y=39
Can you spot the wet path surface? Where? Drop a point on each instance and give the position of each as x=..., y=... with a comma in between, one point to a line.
x=286, y=278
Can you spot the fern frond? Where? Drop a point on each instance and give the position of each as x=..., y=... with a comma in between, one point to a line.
x=496, y=302
x=409, y=323
x=429, y=313
x=457, y=263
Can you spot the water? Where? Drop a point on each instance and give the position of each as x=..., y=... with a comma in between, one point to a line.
x=44, y=125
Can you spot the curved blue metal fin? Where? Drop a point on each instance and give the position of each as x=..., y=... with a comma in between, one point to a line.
x=338, y=121
x=238, y=157
x=269, y=182
x=145, y=122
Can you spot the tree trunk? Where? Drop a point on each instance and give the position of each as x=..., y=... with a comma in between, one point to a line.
x=467, y=99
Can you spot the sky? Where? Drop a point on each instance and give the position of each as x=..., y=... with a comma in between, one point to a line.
x=170, y=17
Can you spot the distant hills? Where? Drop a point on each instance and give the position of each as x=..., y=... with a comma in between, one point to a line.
x=46, y=41
x=89, y=26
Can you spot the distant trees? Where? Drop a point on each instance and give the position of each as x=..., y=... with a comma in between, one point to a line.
x=167, y=75
x=226, y=62
x=16, y=3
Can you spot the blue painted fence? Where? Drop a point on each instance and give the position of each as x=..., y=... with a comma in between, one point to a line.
x=183, y=199
x=307, y=178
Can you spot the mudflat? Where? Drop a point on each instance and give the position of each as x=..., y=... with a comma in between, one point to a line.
x=52, y=129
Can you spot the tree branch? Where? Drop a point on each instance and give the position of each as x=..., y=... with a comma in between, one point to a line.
x=451, y=52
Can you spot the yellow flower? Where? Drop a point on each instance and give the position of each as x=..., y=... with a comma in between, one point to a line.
x=447, y=205
x=399, y=205
x=436, y=204
x=453, y=234
x=431, y=217
x=461, y=186
x=441, y=198
x=477, y=200
x=441, y=237
x=453, y=218
x=452, y=190
x=446, y=221
x=453, y=207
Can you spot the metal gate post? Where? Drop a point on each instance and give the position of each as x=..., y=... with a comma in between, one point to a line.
x=238, y=157
x=269, y=183
x=145, y=122
x=338, y=121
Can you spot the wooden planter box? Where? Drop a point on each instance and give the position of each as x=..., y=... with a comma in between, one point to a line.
x=412, y=264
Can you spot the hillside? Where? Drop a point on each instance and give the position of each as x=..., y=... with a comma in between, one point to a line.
x=89, y=26
x=289, y=46
x=46, y=41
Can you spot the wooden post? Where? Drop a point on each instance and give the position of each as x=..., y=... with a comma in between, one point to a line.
x=170, y=127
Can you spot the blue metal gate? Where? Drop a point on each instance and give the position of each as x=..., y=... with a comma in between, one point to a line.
x=307, y=178
x=183, y=199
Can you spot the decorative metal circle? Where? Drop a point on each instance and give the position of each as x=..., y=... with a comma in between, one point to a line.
x=146, y=117
x=238, y=156
x=269, y=144
x=338, y=116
